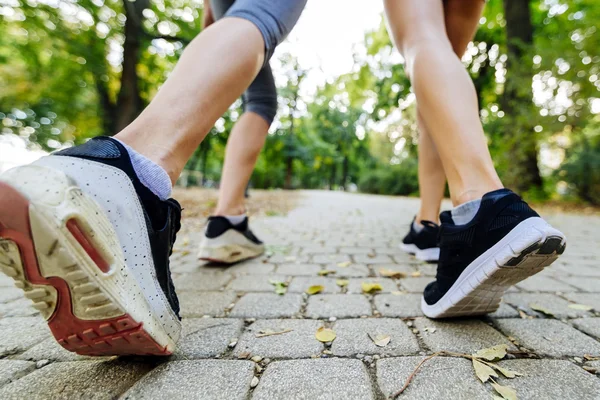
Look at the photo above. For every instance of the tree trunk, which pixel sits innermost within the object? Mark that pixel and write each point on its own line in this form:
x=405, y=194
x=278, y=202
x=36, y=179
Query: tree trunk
x=524, y=172
x=332, y=176
x=345, y=167
x=129, y=102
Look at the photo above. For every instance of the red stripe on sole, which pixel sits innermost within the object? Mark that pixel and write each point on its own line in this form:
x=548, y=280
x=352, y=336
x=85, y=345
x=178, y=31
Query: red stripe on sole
x=115, y=336
x=82, y=239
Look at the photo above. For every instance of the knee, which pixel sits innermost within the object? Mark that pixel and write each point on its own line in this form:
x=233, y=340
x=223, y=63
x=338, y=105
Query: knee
x=265, y=105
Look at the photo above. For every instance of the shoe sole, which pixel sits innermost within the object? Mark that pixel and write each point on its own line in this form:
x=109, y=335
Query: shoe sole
x=229, y=254
x=428, y=255
x=60, y=250
x=524, y=251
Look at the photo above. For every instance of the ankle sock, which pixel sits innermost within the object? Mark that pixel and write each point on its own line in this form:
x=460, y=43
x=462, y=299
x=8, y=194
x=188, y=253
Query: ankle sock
x=152, y=175
x=464, y=213
x=235, y=219
x=417, y=227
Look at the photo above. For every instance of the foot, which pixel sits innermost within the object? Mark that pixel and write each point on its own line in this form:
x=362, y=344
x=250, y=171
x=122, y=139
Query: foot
x=226, y=243
x=423, y=244
x=505, y=243
x=90, y=246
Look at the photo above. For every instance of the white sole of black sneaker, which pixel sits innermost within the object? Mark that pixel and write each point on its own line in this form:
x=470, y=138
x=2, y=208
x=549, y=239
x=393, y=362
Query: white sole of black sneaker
x=229, y=248
x=409, y=248
x=428, y=255
x=526, y=250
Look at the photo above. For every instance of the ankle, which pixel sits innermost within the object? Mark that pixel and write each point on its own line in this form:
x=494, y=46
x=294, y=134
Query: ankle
x=432, y=216
x=230, y=210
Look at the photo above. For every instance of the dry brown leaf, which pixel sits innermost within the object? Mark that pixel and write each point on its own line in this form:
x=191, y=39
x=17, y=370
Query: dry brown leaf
x=591, y=358
x=343, y=264
x=416, y=274
x=342, y=282
x=506, y=372
x=537, y=307
x=390, y=273
x=315, y=289
x=506, y=392
x=325, y=335
x=268, y=332
x=380, y=340
x=483, y=372
x=325, y=272
x=581, y=307
x=368, y=287
x=492, y=353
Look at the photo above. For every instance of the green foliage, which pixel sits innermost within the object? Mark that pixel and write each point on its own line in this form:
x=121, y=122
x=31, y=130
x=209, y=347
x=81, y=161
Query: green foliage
x=401, y=179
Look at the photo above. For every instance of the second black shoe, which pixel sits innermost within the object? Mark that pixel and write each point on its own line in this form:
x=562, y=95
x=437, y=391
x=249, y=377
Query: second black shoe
x=226, y=243
x=502, y=245
x=423, y=244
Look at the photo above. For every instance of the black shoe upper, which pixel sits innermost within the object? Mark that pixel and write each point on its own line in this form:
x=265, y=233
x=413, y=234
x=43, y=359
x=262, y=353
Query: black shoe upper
x=426, y=238
x=218, y=225
x=500, y=211
x=162, y=217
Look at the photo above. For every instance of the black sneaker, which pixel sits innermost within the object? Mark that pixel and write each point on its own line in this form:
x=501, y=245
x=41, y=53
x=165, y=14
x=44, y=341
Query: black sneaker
x=90, y=245
x=505, y=243
x=423, y=244
x=226, y=243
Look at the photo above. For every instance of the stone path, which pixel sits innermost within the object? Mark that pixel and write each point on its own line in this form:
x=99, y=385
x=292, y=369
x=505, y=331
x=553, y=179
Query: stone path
x=220, y=356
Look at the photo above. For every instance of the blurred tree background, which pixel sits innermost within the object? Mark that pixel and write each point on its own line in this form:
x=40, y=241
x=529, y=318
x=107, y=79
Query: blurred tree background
x=74, y=69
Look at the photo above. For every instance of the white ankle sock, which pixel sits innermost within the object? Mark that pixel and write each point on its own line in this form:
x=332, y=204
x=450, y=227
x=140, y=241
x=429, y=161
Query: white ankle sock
x=464, y=213
x=417, y=227
x=235, y=219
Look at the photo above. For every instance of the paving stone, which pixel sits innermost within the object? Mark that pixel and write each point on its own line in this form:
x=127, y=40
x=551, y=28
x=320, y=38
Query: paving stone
x=353, y=337
x=11, y=370
x=78, y=379
x=206, y=379
x=387, y=285
x=551, y=379
x=320, y=379
x=255, y=283
x=207, y=337
x=588, y=299
x=549, y=337
x=464, y=336
x=356, y=250
x=415, y=285
x=267, y=305
x=246, y=268
x=406, y=269
x=201, y=282
x=377, y=259
x=20, y=333
x=10, y=294
x=6, y=282
x=50, y=350
x=299, y=343
x=440, y=378
x=504, y=311
x=301, y=284
x=331, y=258
x=550, y=302
x=591, y=326
x=337, y=305
x=194, y=304
x=351, y=271
x=18, y=308
x=298, y=269
x=289, y=258
x=392, y=251
x=587, y=284
x=542, y=283
x=318, y=250
x=427, y=269
x=401, y=305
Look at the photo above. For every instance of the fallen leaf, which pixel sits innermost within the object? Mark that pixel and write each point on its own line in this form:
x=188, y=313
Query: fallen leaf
x=185, y=253
x=397, y=293
x=537, y=307
x=416, y=274
x=342, y=282
x=325, y=335
x=591, y=358
x=523, y=315
x=483, y=371
x=390, y=273
x=582, y=307
x=315, y=289
x=368, y=287
x=506, y=372
x=506, y=392
x=429, y=329
x=492, y=353
x=325, y=272
x=380, y=340
x=343, y=264
x=280, y=287
x=268, y=332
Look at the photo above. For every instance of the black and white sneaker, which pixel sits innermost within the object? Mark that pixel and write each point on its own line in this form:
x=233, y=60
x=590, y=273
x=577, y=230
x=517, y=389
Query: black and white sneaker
x=90, y=245
x=423, y=244
x=505, y=243
x=226, y=243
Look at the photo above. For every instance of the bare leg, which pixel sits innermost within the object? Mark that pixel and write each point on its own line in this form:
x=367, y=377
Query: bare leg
x=446, y=96
x=197, y=93
x=243, y=147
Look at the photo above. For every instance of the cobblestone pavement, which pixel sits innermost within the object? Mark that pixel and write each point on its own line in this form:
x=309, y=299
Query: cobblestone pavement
x=223, y=309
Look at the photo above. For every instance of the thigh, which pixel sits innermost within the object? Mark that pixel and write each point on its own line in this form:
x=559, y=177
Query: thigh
x=462, y=20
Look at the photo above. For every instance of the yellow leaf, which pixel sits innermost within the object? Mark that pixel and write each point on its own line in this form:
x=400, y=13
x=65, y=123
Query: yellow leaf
x=325, y=335
x=390, y=273
x=185, y=253
x=380, y=340
x=416, y=274
x=492, y=353
x=368, y=287
x=315, y=289
x=343, y=264
x=537, y=307
x=506, y=372
x=582, y=307
x=506, y=392
x=342, y=282
x=483, y=371
x=325, y=272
